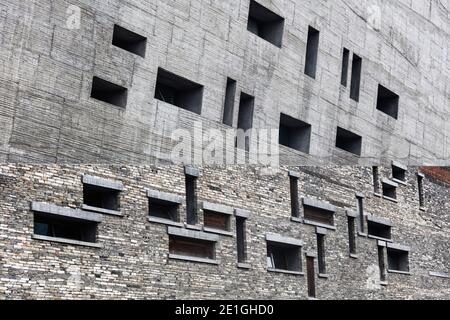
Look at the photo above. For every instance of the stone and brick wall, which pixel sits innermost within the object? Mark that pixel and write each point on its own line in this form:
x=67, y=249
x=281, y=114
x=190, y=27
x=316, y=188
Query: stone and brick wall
x=133, y=261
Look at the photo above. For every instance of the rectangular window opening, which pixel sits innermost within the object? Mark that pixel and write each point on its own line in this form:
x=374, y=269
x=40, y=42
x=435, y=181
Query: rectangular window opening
x=228, y=108
x=360, y=203
x=421, y=193
x=387, y=102
x=179, y=91
x=283, y=257
x=312, y=51
x=265, y=24
x=109, y=92
x=129, y=41
x=191, y=200
x=241, y=239
x=311, y=277
x=381, y=264
x=356, y=78
x=349, y=141
x=216, y=220
x=345, y=61
x=295, y=134
x=398, y=260
x=351, y=235
x=376, y=180
x=164, y=210
x=65, y=228
x=318, y=215
x=389, y=191
x=295, y=209
x=321, y=253
x=99, y=197
x=245, y=120
x=398, y=173
x=191, y=247
x=379, y=230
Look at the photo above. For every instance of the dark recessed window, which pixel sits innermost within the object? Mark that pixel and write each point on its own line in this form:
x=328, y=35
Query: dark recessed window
x=295, y=210
x=389, y=190
x=379, y=230
x=318, y=215
x=312, y=52
x=355, y=85
x=163, y=209
x=216, y=220
x=179, y=91
x=241, y=239
x=65, y=228
x=321, y=253
x=381, y=263
x=295, y=134
x=283, y=257
x=245, y=121
x=421, y=192
x=398, y=260
x=348, y=141
x=387, y=102
x=265, y=24
x=109, y=92
x=228, y=108
x=191, y=247
x=191, y=199
x=376, y=179
x=99, y=197
x=345, y=62
x=129, y=41
x=352, y=235
x=398, y=173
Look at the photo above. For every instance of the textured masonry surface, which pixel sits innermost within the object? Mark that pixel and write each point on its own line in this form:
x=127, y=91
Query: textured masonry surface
x=132, y=260
x=46, y=72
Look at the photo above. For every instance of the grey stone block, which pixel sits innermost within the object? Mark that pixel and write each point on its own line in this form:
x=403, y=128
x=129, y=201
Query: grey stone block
x=285, y=240
x=191, y=171
x=104, y=183
x=65, y=212
x=379, y=220
x=241, y=213
x=205, y=205
x=399, y=247
x=164, y=196
x=192, y=234
x=319, y=204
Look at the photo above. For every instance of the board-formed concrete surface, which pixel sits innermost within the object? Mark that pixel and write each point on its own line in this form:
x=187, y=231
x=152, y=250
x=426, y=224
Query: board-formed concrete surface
x=51, y=50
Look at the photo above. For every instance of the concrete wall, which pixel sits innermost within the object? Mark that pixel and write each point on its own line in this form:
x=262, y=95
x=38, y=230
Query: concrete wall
x=133, y=261
x=46, y=70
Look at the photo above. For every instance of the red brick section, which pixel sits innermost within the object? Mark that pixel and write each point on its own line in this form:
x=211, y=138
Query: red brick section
x=439, y=173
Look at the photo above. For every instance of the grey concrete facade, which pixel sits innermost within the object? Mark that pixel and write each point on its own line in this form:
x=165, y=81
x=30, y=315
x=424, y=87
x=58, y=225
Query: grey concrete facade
x=48, y=61
x=131, y=257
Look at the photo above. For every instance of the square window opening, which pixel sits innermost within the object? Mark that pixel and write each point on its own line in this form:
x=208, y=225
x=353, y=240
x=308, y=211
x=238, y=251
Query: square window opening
x=129, y=41
x=349, y=141
x=389, y=191
x=295, y=134
x=398, y=260
x=283, y=257
x=99, y=197
x=265, y=24
x=108, y=92
x=164, y=210
x=178, y=91
x=387, y=102
x=398, y=173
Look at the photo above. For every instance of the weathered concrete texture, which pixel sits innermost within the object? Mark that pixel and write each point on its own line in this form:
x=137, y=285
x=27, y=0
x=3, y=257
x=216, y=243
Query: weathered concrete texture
x=132, y=259
x=46, y=70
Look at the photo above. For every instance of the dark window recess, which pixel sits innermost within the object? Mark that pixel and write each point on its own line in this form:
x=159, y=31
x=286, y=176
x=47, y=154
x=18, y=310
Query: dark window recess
x=109, y=92
x=381, y=264
x=311, y=277
x=360, y=203
x=245, y=120
x=398, y=260
x=265, y=24
x=295, y=134
x=321, y=253
x=379, y=230
x=228, y=108
x=179, y=91
x=66, y=228
x=398, y=173
x=387, y=102
x=351, y=235
x=241, y=239
x=344, y=72
x=348, y=141
x=356, y=78
x=295, y=210
x=283, y=257
x=421, y=193
x=99, y=197
x=389, y=191
x=163, y=209
x=129, y=41
x=216, y=220
x=376, y=180
x=191, y=247
x=312, y=51
x=318, y=215
x=191, y=200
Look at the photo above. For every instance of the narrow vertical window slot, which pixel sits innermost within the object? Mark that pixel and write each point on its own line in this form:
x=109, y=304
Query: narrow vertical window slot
x=228, y=108
x=356, y=78
x=312, y=51
x=344, y=73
